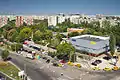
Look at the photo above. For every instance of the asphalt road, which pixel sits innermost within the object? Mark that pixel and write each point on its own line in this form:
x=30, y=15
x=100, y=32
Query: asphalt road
x=35, y=73
x=32, y=71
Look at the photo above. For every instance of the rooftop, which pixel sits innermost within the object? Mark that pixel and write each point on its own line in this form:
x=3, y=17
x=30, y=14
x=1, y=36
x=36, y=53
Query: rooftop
x=91, y=37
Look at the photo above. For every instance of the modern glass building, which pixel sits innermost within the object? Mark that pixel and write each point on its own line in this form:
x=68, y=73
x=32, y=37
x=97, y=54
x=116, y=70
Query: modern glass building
x=90, y=43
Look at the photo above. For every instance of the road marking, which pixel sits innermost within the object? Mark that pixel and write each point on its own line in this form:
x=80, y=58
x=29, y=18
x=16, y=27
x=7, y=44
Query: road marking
x=42, y=67
x=61, y=79
x=67, y=76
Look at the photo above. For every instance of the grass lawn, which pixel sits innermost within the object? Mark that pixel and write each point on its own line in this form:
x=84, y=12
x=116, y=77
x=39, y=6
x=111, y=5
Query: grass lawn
x=9, y=69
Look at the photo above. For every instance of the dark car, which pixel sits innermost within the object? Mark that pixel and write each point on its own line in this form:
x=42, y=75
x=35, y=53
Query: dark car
x=107, y=58
x=48, y=61
x=9, y=58
x=29, y=51
x=96, y=62
x=55, y=64
x=115, y=57
x=45, y=58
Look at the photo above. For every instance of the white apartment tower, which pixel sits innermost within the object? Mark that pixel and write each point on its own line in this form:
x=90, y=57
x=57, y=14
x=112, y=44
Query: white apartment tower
x=52, y=20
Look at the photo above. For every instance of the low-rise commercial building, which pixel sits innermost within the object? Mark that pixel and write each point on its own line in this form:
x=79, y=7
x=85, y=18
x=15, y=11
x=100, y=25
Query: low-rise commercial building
x=90, y=43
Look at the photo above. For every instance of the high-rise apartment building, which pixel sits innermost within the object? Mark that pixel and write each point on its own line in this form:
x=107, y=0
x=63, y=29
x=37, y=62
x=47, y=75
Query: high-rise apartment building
x=52, y=21
x=3, y=20
x=28, y=20
x=19, y=21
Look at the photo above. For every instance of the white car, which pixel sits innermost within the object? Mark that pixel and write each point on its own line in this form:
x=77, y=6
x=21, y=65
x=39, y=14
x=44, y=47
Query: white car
x=29, y=56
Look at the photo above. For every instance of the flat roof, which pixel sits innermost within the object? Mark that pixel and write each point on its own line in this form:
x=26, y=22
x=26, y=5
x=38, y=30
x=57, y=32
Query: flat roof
x=90, y=41
x=89, y=37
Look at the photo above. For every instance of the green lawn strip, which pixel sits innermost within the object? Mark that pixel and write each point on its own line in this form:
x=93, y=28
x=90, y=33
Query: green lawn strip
x=10, y=69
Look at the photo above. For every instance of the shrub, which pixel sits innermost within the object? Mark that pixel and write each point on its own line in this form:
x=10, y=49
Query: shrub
x=3, y=63
x=5, y=54
x=13, y=47
x=52, y=54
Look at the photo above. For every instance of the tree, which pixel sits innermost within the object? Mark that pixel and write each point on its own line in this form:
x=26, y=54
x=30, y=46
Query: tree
x=1, y=31
x=73, y=34
x=112, y=44
x=48, y=35
x=38, y=36
x=9, y=25
x=42, y=26
x=5, y=54
x=25, y=33
x=4, y=34
x=12, y=34
x=59, y=36
x=16, y=47
x=106, y=25
x=65, y=49
x=54, y=43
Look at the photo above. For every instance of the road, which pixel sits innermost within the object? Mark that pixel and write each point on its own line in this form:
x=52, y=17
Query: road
x=32, y=71
x=35, y=73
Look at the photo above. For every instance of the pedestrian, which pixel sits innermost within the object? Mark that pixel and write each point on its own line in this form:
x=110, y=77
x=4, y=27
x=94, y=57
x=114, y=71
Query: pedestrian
x=48, y=61
x=61, y=74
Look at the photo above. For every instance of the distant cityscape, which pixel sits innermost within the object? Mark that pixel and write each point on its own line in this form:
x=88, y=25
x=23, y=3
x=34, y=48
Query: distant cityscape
x=53, y=20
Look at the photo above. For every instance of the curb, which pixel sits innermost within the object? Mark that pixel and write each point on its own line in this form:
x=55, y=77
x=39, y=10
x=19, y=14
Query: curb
x=18, y=69
x=7, y=75
x=15, y=65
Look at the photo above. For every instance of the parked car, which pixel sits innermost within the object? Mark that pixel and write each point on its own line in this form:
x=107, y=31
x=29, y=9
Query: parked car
x=78, y=65
x=9, y=58
x=96, y=62
x=115, y=68
x=115, y=57
x=96, y=68
x=55, y=64
x=45, y=58
x=29, y=56
x=48, y=61
x=60, y=65
x=107, y=58
x=107, y=69
x=62, y=61
x=70, y=63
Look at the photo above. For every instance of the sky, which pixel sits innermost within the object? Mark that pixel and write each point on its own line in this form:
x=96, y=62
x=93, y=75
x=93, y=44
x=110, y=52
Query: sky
x=109, y=7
